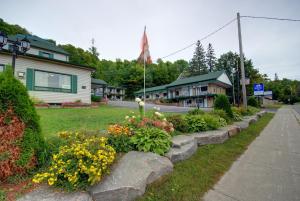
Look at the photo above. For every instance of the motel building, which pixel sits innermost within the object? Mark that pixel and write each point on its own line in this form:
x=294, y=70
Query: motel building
x=193, y=91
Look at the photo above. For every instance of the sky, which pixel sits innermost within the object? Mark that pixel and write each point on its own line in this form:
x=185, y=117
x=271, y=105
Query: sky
x=117, y=27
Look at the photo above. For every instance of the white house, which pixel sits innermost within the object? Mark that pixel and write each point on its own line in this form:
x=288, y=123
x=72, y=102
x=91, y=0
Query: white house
x=47, y=73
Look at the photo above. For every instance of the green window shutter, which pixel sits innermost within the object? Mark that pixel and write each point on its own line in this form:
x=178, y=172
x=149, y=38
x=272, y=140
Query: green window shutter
x=74, y=84
x=51, y=56
x=40, y=53
x=30, y=79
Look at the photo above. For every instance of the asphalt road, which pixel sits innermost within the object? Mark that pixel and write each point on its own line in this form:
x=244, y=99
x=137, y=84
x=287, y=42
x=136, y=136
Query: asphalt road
x=269, y=170
x=163, y=108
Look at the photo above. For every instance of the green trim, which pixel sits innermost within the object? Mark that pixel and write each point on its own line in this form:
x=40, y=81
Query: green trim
x=74, y=84
x=30, y=79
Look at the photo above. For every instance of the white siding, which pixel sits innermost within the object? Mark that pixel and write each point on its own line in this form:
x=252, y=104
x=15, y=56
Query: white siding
x=83, y=78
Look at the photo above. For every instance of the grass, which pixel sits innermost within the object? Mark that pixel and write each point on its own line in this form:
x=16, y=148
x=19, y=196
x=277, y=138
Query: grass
x=55, y=120
x=193, y=177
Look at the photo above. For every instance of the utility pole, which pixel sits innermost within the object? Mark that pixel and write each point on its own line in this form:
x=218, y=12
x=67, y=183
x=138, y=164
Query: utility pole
x=242, y=61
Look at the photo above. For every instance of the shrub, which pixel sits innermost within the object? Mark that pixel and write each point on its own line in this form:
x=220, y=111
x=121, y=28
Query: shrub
x=95, y=98
x=212, y=122
x=120, y=143
x=151, y=140
x=252, y=110
x=196, y=123
x=222, y=114
x=252, y=101
x=179, y=123
x=20, y=136
x=237, y=116
x=195, y=112
x=222, y=103
x=80, y=163
x=222, y=122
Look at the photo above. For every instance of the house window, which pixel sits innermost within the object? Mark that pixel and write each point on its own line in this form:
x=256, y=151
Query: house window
x=204, y=88
x=48, y=81
x=1, y=67
x=46, y=54
x=177, y=93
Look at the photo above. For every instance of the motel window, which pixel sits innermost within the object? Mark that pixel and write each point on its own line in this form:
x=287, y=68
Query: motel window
x=1, y=67
x=48, y=81
x=177, y=93
x=147, y=96
x=165, y=94
x=157, y=95
x=46, y=54
x=204, y=88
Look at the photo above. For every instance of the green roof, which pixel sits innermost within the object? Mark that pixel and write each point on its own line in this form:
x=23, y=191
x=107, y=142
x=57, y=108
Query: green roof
x=38, y=42
x=157, y=88
x=98, y=81
x=199, y=78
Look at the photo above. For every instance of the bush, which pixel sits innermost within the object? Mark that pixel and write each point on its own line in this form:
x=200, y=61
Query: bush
x=196, y=123
x=212, y=122
x=195, y=112
x=179, y=123
x=237, y=116
x=151, y=140
x=120, y=143
x=222, y=114
x=95, y=98
x=252, y=101
x=252, y=110
x=21, y=140
x=222, y=103
x=79, y=164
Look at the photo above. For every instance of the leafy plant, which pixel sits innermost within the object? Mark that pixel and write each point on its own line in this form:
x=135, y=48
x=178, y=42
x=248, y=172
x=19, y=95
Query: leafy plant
x=252, y=101
x=80, y=163
x=222, y=114
x=121, y=143
x=179, y=123
x=95, y=98
x=195, y=112
x=151, y=140
x=21, y=134
x=196, y=123
x=222, y=103
x=212, y=122
x=237, y=116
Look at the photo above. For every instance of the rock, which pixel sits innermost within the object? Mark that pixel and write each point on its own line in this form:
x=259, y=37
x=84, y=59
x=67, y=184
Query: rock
x=261, y=113
x=242, y=124
x=211, y=137
x=129, y=177
x=183, y=152
x=232, y=130
x=46, y=193
x=181, y=140
x=251, y=119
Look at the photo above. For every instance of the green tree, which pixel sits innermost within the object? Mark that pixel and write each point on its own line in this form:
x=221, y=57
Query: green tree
x=210, y=58
x=11, y=29
x=197, y=63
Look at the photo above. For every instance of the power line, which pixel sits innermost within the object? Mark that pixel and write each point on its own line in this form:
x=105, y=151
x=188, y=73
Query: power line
x=205, y=37
x=271, y=18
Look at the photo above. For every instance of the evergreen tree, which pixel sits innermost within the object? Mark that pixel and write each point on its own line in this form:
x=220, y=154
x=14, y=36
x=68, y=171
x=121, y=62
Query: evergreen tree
x=93, y=49
x=276, y=77
x=198, y=64
x=210, y=58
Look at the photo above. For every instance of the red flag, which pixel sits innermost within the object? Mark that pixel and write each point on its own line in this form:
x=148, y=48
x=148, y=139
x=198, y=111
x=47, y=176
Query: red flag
x=145, y=54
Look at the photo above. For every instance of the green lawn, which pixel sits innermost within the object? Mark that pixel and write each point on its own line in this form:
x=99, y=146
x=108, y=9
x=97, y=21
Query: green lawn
x=193, y=177
x=54, y=120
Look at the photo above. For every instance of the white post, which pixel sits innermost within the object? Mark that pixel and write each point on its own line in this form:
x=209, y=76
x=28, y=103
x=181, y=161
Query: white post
x=144, y=74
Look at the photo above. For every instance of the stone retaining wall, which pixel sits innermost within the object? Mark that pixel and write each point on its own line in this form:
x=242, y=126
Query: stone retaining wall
x=129, y=177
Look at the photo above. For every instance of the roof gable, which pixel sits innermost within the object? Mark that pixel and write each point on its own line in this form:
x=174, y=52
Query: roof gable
x=199, y=78
x=38, y=42
x=225, y=79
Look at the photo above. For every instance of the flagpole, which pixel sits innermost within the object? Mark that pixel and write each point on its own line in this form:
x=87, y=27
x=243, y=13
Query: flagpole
x=144, y=79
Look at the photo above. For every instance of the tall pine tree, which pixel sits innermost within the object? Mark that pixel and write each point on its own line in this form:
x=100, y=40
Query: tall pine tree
x=197, y=64
x=210, y=58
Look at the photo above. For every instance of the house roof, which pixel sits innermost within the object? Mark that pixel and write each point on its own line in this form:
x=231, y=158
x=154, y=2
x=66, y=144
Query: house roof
x=98, y=81
x=38, y=42
x=199, y=78
x=36, y=57
x=157, y=88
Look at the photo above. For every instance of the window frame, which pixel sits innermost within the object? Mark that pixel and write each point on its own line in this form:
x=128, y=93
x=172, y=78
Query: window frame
x=3, y=68
x=52, y=89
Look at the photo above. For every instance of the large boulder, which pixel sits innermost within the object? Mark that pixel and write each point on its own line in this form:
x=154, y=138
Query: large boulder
x=211, y=137
x=129, y=177
x=46, y=193
x=180, y=140
x=232, y=130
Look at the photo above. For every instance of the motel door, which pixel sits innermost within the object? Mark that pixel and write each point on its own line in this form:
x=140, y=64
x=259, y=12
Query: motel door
x=202, y=102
